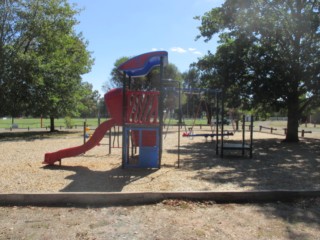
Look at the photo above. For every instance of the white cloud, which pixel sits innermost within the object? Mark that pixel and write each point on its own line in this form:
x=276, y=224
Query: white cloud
x=194, y=51
x=182, y=50
x=178, y=50
x=197, y=53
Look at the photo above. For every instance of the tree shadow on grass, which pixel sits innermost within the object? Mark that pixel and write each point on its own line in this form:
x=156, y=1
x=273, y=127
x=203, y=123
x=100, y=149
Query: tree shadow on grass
x=86, y=180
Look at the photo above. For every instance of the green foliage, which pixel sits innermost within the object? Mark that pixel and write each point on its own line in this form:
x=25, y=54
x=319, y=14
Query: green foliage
x=116, y=80
x=68, y=122
x=88, y=104
x=191, y=78
x=269, y=54
x=42, y=58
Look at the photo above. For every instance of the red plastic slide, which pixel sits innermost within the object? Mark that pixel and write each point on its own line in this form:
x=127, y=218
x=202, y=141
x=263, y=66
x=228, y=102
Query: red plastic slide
x=51, y=158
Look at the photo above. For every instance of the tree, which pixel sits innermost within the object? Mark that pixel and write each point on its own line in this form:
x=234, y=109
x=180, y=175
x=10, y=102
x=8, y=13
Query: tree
x=14, y=65
x=89, y=104
x=172, y=78
x=61, y=89
x=227, y=70
x=281, y=43
x=45, y=58
x=116, y=79
x=191, y=80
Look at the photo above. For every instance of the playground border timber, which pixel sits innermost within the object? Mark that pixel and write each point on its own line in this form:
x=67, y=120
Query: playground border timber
x=140, y=198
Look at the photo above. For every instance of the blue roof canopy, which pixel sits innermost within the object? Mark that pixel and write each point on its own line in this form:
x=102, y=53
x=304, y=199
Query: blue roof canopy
x=141, y=65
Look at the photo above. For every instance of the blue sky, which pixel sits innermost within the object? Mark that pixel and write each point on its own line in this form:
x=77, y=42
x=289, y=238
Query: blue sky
x=119, y=28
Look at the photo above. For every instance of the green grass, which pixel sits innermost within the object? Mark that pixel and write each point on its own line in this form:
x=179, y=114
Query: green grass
x=34, y=123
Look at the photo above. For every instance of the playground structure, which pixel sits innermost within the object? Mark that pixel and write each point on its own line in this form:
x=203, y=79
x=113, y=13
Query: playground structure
x=142, y=113
x=138, y=112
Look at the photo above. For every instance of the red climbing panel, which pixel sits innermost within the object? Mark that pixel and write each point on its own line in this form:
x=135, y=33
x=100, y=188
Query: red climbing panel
x=142, y=107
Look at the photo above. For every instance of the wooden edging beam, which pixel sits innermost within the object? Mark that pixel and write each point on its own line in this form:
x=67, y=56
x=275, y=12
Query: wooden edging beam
x=138, y=198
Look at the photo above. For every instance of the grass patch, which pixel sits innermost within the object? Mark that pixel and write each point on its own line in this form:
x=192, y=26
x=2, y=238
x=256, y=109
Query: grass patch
x=35, y=123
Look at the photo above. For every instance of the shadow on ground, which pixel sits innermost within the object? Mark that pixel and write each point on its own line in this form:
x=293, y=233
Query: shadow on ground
x=296, y=216
x=86, y=180
x=275, y=165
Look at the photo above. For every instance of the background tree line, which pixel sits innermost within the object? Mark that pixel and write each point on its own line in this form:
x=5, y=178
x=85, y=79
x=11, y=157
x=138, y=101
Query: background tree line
x=268, y=60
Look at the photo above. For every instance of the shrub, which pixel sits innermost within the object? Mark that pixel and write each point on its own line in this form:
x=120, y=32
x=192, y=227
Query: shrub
x=68, y=122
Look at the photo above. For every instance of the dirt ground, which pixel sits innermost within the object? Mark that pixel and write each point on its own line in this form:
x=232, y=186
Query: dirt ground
x=167, y=220
x=274, y=166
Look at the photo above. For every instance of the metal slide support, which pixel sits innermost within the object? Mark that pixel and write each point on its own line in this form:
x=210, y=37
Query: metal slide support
x=251, y=136
x=222, y=117
x=160, y=109
x=217, y=125
x=124, y=111
x=179, y=125
x=243, y=133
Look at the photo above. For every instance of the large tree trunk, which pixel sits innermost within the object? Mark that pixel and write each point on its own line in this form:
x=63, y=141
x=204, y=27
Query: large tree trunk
x=52, y=124
x=209, y=117
x=293, y=119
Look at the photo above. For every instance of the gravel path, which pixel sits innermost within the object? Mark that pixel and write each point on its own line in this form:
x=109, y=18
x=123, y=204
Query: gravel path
x=167, y=220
